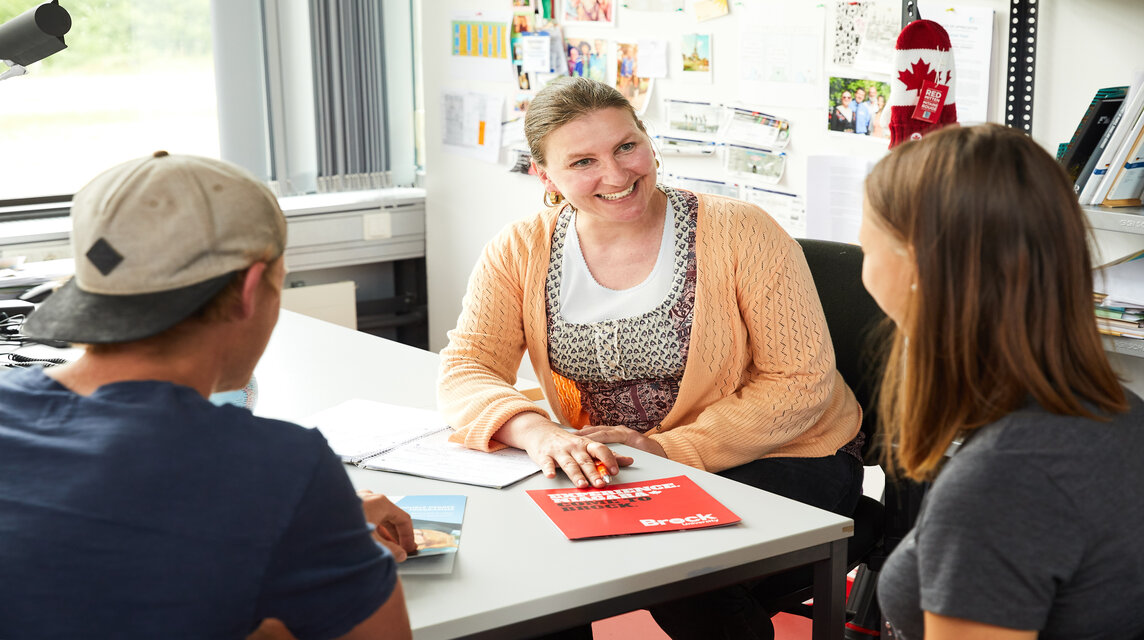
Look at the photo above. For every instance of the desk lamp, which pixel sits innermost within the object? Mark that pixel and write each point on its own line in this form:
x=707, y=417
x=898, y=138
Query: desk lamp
x=32, y=36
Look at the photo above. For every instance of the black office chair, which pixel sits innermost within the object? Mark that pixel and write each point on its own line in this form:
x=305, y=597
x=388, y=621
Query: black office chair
x=857, y=329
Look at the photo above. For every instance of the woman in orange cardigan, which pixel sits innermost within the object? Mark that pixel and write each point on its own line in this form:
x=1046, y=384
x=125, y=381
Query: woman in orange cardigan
x=680, y=324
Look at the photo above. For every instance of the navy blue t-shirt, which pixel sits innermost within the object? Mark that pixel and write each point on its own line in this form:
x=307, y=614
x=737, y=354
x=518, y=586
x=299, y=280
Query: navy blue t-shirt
x=145, y=511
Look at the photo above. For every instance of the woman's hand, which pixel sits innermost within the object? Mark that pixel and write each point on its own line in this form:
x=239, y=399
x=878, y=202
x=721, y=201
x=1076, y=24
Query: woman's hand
x=552, y=446
x=623, y=435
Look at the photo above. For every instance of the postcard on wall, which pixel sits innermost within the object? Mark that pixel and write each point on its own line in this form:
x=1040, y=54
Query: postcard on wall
x=597, y=12
x=685, y=146
x=471, y=124
x=635, y=88
x=759, y=164
x=787, y=209
x=755, y=128
x=524, y=6
x=710, y=9
x=696, y=63
x=863, y=34
x=696, y=119
x=781, y=55
x=480, y=45
x=587, y=58
x=536, y=53
x=704, y=185
x=856, y=106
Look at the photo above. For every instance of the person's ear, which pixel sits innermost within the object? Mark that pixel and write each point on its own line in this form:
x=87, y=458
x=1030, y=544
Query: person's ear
x=252, y=278
x=549, y=185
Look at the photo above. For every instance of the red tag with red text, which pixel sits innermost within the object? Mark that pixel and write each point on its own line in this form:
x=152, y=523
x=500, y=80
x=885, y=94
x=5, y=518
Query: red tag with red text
x=931, y=98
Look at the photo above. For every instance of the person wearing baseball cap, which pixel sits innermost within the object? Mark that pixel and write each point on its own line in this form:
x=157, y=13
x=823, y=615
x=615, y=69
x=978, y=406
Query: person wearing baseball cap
x=130, y=505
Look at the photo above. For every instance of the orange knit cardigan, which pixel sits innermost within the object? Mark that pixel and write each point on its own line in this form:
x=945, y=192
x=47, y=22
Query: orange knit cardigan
x=759, y=381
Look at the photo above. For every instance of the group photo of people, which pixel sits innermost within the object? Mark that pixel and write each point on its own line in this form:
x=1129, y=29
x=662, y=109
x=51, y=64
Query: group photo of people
x=856, y=106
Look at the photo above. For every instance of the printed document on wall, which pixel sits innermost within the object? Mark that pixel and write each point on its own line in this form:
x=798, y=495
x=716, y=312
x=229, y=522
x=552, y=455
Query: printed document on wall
x=480, y=46
x=834, y=193
x=780, y=55
x=971, y=34
x=471, y=124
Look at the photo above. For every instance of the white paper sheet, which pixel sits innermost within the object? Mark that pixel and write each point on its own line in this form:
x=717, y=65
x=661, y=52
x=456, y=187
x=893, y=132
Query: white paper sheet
x=480, y=46
x=537, y=54
x=471, y=124
x=780, y=55
x=971, y=34
x=834, y=193
x=652, y=58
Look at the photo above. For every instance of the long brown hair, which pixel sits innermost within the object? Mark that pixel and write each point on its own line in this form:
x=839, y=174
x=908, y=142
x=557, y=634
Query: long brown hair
x=1002, y=311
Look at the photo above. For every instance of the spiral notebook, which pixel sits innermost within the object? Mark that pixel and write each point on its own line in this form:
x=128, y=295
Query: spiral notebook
x=386, y=437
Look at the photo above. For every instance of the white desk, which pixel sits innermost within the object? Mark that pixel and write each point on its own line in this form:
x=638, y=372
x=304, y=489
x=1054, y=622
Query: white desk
x=515, y=574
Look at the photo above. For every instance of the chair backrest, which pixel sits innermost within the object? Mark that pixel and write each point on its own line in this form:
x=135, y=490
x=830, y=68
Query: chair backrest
x=854, y=320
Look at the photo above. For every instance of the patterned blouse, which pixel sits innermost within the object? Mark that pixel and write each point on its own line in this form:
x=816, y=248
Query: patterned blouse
x=628, y=370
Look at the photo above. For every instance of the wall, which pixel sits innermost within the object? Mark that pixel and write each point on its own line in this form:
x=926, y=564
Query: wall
x=468, y=201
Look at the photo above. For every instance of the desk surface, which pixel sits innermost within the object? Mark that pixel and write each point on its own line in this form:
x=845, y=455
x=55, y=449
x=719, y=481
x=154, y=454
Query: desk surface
x=514, y=565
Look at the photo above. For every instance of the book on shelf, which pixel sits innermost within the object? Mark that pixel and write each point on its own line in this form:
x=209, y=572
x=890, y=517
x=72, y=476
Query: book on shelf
x=1129, y=314
x=385, y=437
x=1118, y=331
x=1092, y=126
x=1127, y=183
x=1120, y=283
x=650, y=506
x=437, y=523
x=1096, y=170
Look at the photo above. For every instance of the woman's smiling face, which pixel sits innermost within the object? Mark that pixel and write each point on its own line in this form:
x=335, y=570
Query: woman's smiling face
x=603, y=163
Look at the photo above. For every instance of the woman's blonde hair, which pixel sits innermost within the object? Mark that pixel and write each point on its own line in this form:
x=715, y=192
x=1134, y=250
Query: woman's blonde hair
x=562, y=101
x=1003, y=309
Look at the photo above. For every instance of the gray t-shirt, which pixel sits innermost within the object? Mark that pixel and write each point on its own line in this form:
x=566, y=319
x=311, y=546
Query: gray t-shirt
x=1036, y=523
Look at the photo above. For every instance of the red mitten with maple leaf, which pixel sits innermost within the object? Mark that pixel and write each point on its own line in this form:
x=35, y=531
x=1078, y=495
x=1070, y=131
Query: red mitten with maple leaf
x=923, y=60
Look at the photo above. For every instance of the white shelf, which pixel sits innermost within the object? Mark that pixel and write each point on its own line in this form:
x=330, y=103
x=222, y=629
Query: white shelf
x=1124, y=346
x=1122, y=219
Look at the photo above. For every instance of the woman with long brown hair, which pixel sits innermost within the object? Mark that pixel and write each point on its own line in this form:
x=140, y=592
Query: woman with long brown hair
x=977, y=250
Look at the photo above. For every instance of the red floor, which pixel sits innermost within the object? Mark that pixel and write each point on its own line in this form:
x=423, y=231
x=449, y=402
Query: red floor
x=639, y=625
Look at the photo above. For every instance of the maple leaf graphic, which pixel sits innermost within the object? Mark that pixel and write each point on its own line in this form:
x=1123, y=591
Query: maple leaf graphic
x=918, y=73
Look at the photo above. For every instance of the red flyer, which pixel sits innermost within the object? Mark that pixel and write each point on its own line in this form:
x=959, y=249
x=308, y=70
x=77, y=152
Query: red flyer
x=668, y=504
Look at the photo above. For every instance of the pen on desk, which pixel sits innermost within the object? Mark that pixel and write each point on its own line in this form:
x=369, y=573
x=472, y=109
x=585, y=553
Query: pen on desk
x=603, y=469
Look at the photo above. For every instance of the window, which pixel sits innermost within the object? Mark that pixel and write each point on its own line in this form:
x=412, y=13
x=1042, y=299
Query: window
x=219, y=78
x=137, y=76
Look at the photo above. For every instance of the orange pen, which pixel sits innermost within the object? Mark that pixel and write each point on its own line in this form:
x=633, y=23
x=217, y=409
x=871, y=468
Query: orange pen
x=603, y=469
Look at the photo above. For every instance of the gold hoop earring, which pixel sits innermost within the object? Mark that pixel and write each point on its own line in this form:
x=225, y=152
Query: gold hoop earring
x=556, y=198
x=657, y=163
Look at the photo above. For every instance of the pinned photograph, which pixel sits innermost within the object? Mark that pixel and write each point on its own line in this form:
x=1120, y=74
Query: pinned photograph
x=856, y=106
x=598, y=12
x=761, y=164
x=695, y=55
x=635, y=88
x=685, y=146
x=587, y=58
x=685, y=116
x=710, y=9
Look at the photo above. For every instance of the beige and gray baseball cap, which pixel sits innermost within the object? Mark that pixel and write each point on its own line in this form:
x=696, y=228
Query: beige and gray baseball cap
x=155, y=239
